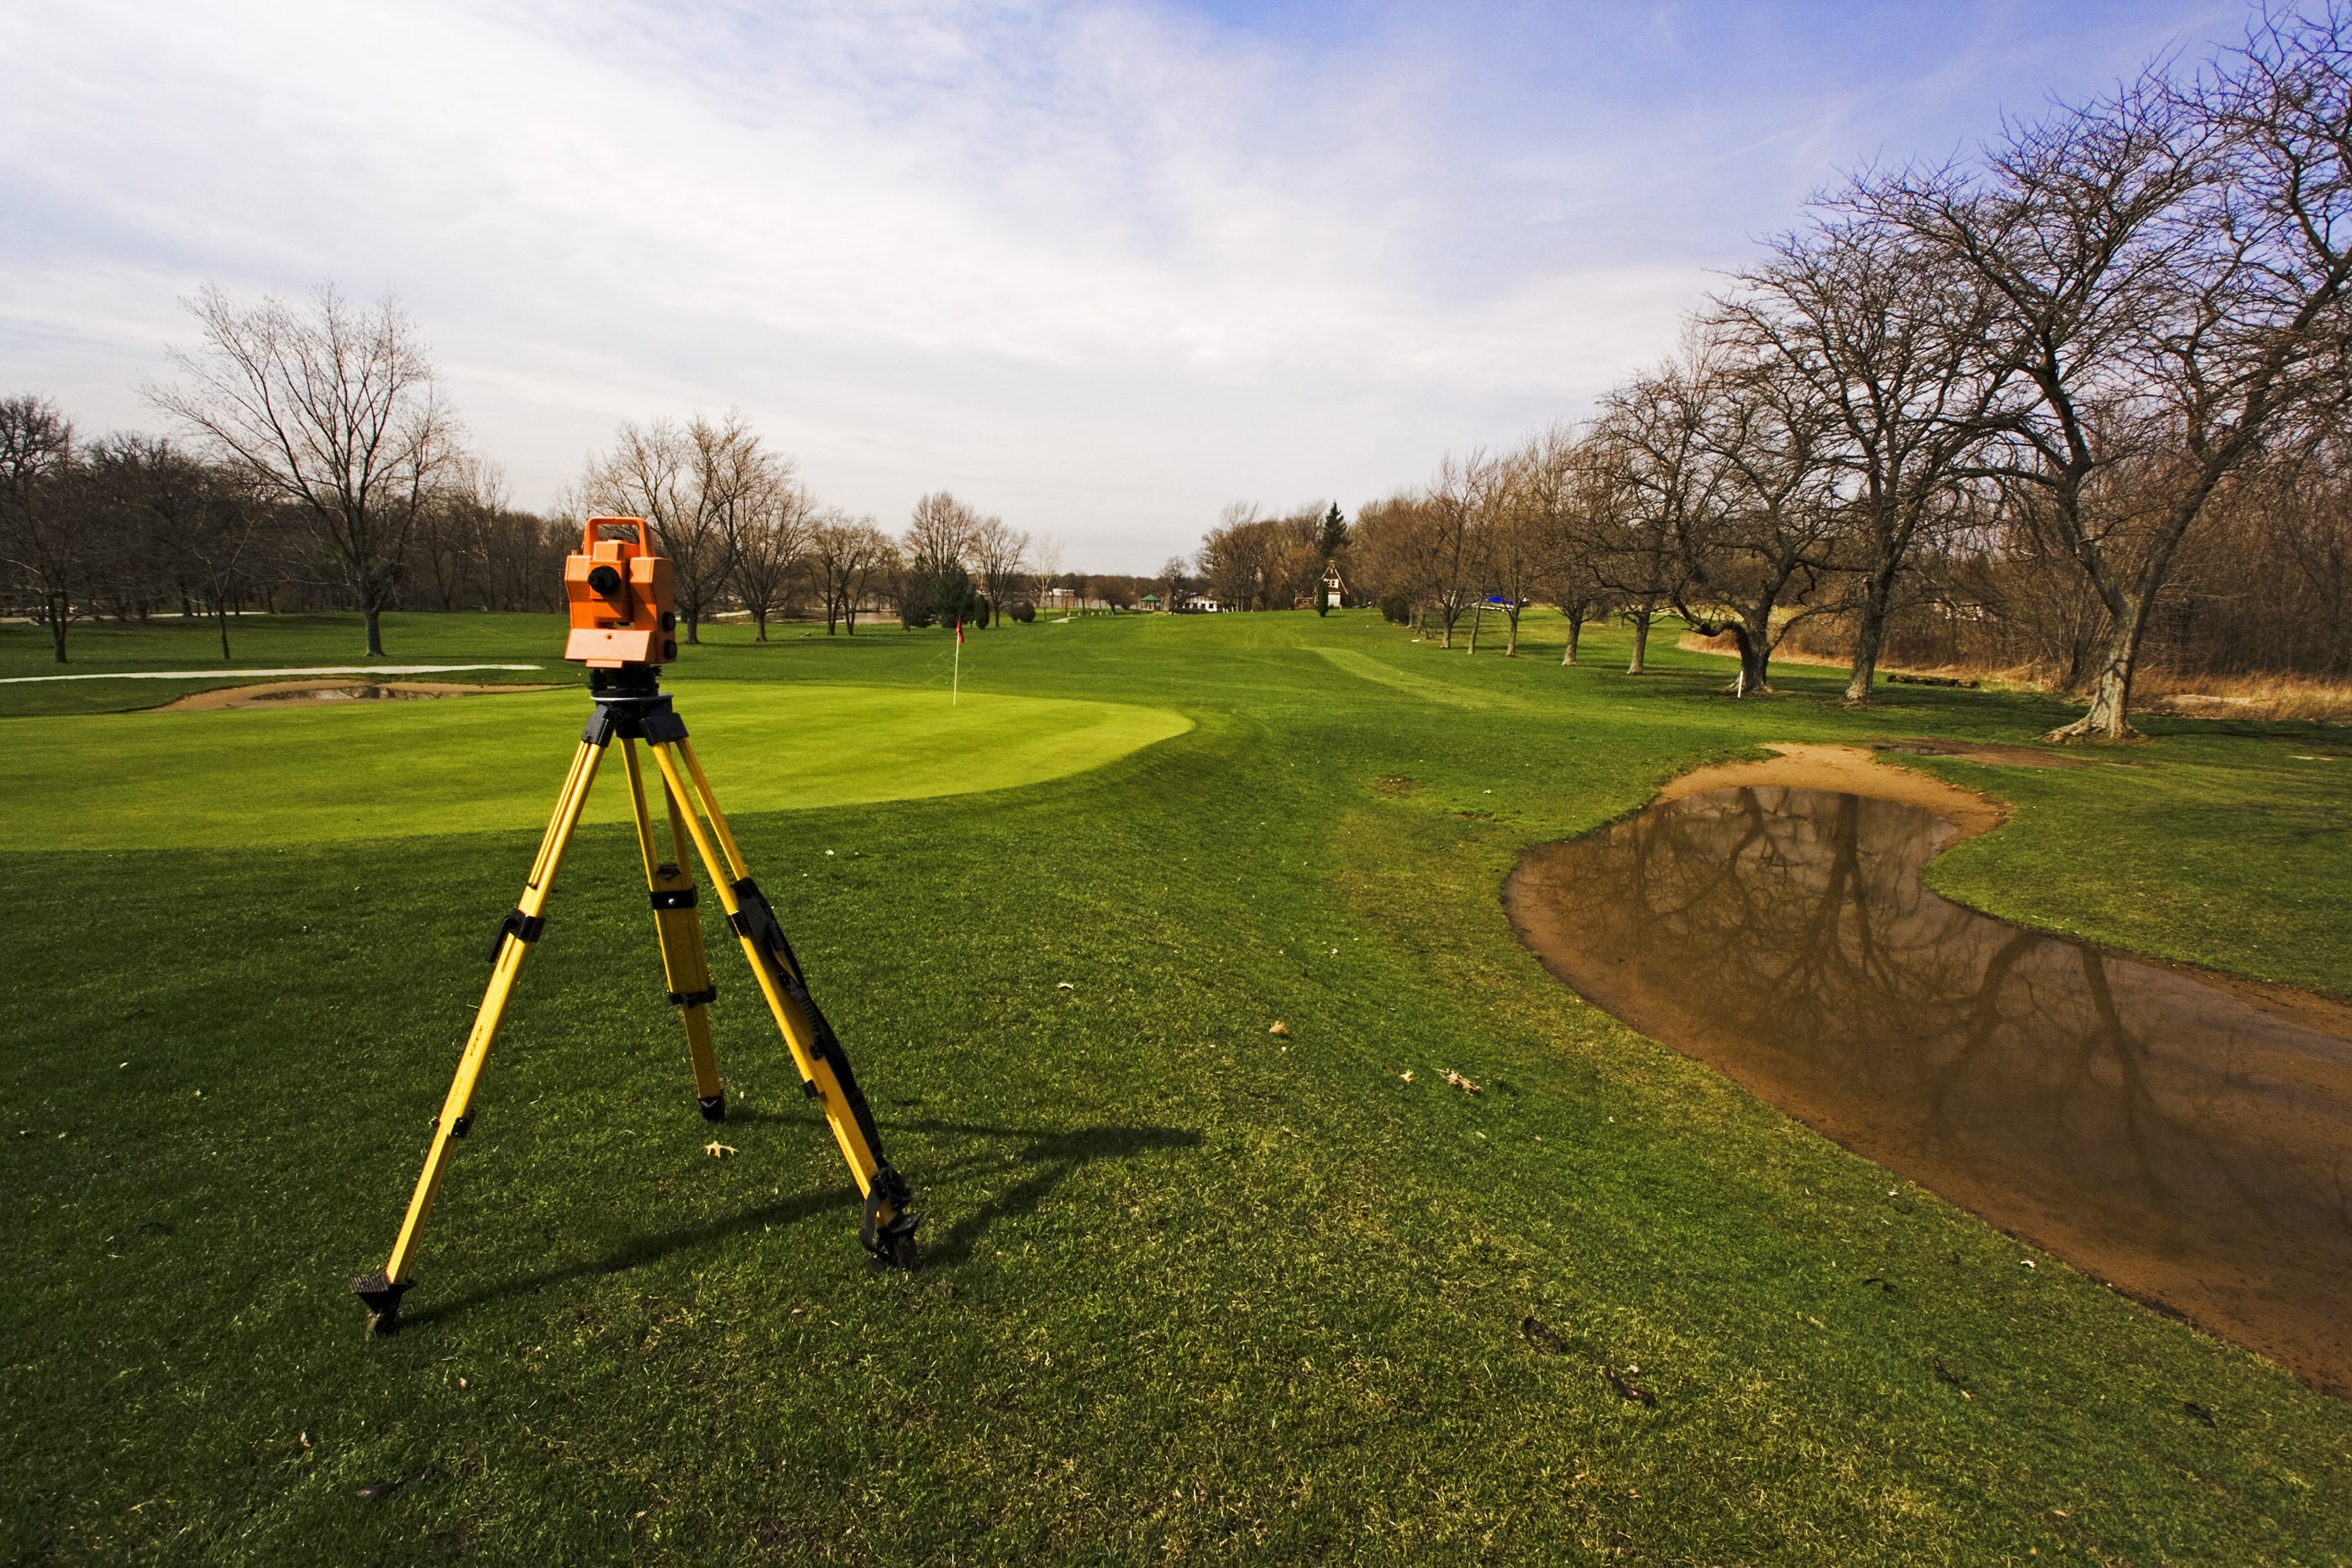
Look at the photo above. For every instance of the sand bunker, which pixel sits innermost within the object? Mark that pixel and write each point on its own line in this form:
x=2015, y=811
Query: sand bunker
x=324, y=694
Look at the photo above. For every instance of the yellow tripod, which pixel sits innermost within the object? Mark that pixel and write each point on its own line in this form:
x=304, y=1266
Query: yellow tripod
x=631, y=707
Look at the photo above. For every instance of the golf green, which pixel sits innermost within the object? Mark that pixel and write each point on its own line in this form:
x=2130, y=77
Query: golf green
x=392, y=769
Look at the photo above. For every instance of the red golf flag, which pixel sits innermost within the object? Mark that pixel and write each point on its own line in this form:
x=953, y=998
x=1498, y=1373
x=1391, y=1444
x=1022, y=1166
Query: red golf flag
x=959, y=632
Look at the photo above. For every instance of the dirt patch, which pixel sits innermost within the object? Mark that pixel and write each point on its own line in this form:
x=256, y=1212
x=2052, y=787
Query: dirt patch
x=1980, y=751
x=1396, y=784
x=327, y=694
x=1845, y=770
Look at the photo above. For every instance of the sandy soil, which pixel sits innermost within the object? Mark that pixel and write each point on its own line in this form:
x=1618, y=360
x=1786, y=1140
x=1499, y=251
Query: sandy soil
x=1982, y=751
x=1848, y=769
x=327, y=694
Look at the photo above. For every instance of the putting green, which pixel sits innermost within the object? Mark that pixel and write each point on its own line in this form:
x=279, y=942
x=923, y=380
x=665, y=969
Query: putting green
x=455, y=765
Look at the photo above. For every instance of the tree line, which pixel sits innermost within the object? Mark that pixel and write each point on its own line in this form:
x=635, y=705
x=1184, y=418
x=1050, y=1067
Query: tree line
x=2073, y=400
x=315, y=465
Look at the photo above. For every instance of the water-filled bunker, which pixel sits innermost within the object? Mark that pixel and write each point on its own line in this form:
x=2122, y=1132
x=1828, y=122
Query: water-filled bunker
x=2188, y=1143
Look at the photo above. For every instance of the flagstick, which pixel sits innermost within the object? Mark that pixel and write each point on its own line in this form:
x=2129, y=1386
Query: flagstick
x=955, y=687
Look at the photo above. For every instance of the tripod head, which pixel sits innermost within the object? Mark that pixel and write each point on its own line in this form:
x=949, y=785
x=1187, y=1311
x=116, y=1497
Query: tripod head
x=623, y=599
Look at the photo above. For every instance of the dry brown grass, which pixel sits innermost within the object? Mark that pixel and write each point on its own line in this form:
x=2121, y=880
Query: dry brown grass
x=2155, y=692
x=2245, y=696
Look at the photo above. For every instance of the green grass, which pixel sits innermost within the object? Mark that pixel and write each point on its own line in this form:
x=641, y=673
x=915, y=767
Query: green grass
x=1193, y=1293
x=257, y=777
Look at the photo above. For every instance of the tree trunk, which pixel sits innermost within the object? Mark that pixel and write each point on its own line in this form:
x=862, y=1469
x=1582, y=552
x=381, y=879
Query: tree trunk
x=1511, y=637
x=1478, y=617
x=58, y=626
x=1755, y=662
x=694, y=626
x=1641, y=619
x=222, y=617
x=1575, y=631
x=2111, y=698
x=375, y=632
x=760, y=618
x=1869, y=638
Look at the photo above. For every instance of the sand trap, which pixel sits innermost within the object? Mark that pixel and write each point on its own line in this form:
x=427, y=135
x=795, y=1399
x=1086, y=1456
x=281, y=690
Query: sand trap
x=326, y=694
x=1845, y=769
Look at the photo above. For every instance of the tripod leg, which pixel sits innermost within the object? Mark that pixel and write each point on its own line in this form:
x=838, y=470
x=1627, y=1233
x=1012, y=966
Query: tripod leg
x=512, y=944
x=678, y=926
x=889, y=1233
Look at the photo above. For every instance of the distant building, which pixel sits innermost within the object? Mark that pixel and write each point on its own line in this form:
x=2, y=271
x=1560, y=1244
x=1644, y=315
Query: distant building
x=1333, y=587
x=1197, y=604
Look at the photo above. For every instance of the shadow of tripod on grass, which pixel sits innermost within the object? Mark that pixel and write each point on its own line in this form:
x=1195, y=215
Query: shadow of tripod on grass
x=1050, y=1156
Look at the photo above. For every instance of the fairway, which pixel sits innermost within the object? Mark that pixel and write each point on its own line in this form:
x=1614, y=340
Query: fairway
x=1192, y=1292
x=395, y=769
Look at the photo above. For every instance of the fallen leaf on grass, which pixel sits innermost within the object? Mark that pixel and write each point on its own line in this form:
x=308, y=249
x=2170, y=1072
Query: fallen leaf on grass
x=717, y=1150
x=1946, y=1373
x=1542, y=1337
x=1064, y=985
x=1280, y=1027
x=1633, y=1391
x=2196, y=1410
x=1407, y=1075
x=379, y=1490
x=1460, y=1082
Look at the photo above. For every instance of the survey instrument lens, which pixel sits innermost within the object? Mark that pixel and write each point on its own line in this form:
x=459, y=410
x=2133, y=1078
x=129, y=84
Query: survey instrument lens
x=623, y=606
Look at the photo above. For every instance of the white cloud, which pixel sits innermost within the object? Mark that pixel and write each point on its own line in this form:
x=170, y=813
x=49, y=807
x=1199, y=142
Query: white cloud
x=1099, y=267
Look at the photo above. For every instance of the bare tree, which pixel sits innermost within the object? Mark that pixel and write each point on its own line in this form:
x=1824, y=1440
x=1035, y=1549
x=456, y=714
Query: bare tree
x=1762, y=525
x=1235, y=556
x=875, y=566
x=1551, y=478
x=2169, y=268
x=1174, y=573
x=683, y=482
x=203, y=522
x=333, y=409
x=936, y=575
x=1000, y=554
x=770, y=524
x=843, y=556
x=40, y=536
x=1648, y=471
x=1447, y=558
x=1889, y=336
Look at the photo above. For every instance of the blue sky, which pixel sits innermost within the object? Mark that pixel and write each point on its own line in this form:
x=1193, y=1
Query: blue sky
x=1102, y=269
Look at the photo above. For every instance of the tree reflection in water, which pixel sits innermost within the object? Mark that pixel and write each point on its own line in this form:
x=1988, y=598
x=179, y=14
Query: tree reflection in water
x=2156, y=1130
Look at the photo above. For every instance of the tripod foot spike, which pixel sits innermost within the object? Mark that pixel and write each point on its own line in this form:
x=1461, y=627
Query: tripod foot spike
x=890, y=1242
x=712, y=1107
x=382, y=1300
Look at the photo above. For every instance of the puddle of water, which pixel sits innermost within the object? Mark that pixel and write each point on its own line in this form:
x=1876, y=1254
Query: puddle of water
x=2191, y=1146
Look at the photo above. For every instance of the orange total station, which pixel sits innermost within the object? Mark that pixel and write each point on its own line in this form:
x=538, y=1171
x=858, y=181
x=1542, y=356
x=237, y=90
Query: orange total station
x=623, y=599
